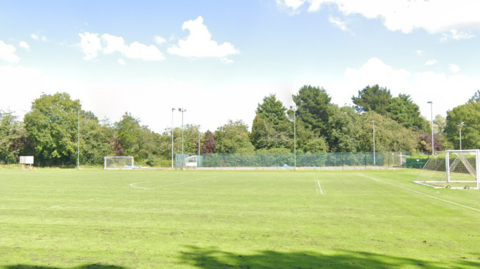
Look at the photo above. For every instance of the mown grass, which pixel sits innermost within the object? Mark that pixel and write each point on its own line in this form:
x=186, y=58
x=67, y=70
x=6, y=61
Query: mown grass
x=59, y=218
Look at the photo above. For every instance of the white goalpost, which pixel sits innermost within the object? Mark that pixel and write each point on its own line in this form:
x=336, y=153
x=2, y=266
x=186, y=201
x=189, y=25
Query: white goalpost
x=457, y=169
x=118, y=162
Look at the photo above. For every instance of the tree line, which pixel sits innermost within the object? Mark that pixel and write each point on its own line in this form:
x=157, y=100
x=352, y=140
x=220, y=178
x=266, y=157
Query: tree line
x=50, y=130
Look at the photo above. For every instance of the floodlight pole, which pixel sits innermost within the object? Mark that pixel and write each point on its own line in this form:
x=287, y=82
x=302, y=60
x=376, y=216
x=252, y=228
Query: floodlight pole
x=461, y=125
x=373, y=122
x=183, y=162
x=198, y=142
x=173, y=109
x=431, y=117
x=294, y=108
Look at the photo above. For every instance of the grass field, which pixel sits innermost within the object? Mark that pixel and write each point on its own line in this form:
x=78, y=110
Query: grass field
x=184, y=219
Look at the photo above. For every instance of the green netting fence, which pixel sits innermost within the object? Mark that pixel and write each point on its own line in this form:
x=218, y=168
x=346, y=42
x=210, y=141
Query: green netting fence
x=357, y=160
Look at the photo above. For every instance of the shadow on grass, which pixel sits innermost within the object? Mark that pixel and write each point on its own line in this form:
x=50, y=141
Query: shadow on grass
x=88, y=266
x=213, y=258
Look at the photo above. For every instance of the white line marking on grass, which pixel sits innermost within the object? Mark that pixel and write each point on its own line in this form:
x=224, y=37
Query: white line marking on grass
x=142, y=189
x=424, y=194
x=320, y=188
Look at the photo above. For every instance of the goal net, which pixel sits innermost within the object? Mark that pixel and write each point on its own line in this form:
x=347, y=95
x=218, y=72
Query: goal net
x=118, y=162
x=457, y=169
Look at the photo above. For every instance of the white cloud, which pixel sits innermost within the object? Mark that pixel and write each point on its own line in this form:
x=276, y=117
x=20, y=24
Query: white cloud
x=135, y=50
x=199, y=43
x=419, y=52
x=404, y=15
x=456, y=35
x=90, y=45
x=431, y=62
x=24, y=45
x=7, y=53
x=374, y=71
x=290, y=6
x=121, y=61
x=454, y=68
x=160, y=40
x=226, y=60
x=446, y=91
x=338, y=23
x=37, y=36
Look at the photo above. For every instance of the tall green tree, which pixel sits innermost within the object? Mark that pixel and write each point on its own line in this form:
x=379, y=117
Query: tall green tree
x=439, y=124
x=13, y=137
x=272, y=110
x=233, y=137
x=95, y=140
x=52, y=127
x=373, y=98
x=129, y=133
x=404, y=111
x=469, y=114
x=389, y=134
x=313, y=108
x=271, y=128
x=344, y=131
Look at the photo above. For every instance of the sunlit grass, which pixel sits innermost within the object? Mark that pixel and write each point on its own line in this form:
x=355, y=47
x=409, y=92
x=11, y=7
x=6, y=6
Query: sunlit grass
x=163, y=219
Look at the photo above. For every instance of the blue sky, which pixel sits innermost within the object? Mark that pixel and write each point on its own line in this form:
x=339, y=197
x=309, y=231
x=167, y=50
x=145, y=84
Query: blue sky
x=218, y=59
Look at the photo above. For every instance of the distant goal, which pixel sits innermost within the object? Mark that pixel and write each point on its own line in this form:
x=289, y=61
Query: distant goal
x=457, y=169
x=118, y=162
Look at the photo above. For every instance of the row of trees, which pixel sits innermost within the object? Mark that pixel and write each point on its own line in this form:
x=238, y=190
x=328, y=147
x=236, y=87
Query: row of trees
x=50, y=130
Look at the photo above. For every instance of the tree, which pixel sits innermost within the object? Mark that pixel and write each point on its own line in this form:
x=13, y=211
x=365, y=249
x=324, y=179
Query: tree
x=469, y=114
x=272, y=110
x=344, y=131
x=389, y=134
x=233, y=137
x=313, y=108
x=271, y=128
x=12, y=137
x=52, y=127
x=95, y=141
x=210, y=143
x=373, y=99
x=475, y=98
x=404, y=111
x=439, y=124
x=128, y=133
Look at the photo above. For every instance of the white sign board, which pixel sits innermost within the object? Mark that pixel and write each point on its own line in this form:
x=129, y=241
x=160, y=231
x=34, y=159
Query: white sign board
x=26, y=159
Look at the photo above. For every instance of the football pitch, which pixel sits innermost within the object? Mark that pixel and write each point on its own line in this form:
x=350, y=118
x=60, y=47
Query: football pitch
x=53, y=218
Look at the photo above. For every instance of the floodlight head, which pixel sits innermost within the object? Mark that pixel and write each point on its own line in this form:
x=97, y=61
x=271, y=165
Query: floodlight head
x=179, y=109
x=429, y=102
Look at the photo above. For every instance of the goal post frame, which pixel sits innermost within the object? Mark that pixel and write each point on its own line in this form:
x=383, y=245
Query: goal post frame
x=477, y=166
x=128, y=165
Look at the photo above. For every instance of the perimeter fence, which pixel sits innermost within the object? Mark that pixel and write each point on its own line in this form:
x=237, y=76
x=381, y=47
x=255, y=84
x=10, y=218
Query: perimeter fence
x=264, y=161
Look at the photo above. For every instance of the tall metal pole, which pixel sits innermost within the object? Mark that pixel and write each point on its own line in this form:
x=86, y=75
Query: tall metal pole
x=173, y=109
x=183, y=159
x=198, y=141
x=294, y=138
x=373, y=122
x=431, y=117
x=78, y=140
